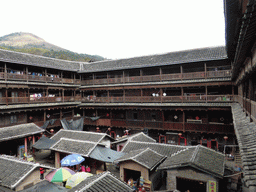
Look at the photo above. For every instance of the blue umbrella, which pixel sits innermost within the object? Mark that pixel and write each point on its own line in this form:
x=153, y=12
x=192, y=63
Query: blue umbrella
x=71, y=160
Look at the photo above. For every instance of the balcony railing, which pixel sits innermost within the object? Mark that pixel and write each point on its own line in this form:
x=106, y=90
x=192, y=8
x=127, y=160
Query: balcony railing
x=36, y=78
x=157, y=78
x=31, y=100
x=141, y=124
x=163, y=99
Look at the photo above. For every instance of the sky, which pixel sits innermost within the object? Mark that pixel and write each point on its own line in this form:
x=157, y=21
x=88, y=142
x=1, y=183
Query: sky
x=116, y=29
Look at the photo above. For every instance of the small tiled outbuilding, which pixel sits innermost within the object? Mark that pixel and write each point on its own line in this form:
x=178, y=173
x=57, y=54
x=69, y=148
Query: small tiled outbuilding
x=195, y=169
x=17, y=174
x=138, y=163
x=103, y=182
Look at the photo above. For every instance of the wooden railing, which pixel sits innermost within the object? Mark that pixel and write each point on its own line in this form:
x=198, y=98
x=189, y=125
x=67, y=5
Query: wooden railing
x=36, y=78
x=163, y=99
x=31, y=100
x=157, y=78
x=143, y=99
x=150, y=124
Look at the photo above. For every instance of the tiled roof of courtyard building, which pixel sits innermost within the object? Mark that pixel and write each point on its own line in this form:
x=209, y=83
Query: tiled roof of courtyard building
x=103, y=182
x=187, y=56
x=145, y=157
x=39, y=61
x=162, y=149
x=80, y=147
x=80, y=135
x=14, y=170
x=142, y=137
x=245, y=133
x=19, y=131
x=199, y=157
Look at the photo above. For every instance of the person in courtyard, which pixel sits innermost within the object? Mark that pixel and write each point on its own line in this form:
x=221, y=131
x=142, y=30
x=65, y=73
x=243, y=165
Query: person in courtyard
x=41, y=173
x=82, y=168
x=88, y=169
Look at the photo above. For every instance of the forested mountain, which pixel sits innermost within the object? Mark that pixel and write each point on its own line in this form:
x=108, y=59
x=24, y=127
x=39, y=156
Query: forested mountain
x=29, y=43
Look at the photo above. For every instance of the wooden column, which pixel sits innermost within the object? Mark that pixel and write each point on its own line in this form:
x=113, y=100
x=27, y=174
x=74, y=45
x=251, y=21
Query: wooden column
x=60, y=114
x=206, y=93
x=93, y=78
x=161, y=95
x=33, y=142
x=61, y=76
x=27, y=73
x=144, y=119
x=28, y=96
x=141, y=75
x=124, y=96
x=45, y=74
x=160, y=72
x=57, y=159
x=73, y=113
x=123, y=77
x=83, y=112
x=44, y=115
x=6, y=95
x=181, y=72
x=47, y=94
x=63, y=98
x=205, y=71
x=183, y=120
x=162, y=117
x=182, y=93
x=108, y=96
x=5, y=72
x=26, y=146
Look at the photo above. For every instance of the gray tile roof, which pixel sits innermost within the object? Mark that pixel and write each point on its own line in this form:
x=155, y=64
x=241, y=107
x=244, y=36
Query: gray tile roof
x=19, y=131
x=38, y=61
x=145, y=157
x=79, y=135
x=199, y=157
x=246, y=137
x=186, y=56
x=104, y=182
x=80, y=147
x=162, y=149
x=14, y=170
x=142, y=137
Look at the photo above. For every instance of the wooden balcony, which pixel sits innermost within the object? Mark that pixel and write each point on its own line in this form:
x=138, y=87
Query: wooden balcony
x=32, y=100
x=171, y=126
x=149, y=124
x=159, y=78
x=35, y=78
x=160, y=99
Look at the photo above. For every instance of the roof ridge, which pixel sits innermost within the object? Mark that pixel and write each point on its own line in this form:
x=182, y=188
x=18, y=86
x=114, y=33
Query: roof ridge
x=160, y=144
x=40, y=56
x=194, y=154
x=97, y=179
x=165, y=53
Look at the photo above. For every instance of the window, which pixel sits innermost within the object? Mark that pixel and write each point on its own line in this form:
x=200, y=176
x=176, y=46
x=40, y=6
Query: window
x=135, y=115
x=153, y=116
x=13, y=119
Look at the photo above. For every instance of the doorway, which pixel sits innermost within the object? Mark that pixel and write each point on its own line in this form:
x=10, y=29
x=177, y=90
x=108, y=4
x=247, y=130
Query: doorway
x=191, y=185
x=128, y=173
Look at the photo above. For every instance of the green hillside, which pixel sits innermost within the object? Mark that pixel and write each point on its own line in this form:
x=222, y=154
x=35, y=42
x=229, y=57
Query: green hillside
x=29, y=43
